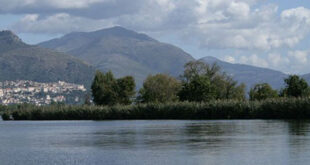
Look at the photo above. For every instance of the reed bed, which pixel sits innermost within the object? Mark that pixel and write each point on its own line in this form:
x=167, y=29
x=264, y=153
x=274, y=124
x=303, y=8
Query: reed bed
x=282, y=108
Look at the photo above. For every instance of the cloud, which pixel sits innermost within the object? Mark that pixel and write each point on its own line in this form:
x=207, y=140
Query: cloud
x=262, y=29
x=58, y=24
x=277, y=60
x=253, y=26
x=299, y=57
x=215, y=24
x=292, y=62
x=254, y=60
x=229, y=59
x=16, y=6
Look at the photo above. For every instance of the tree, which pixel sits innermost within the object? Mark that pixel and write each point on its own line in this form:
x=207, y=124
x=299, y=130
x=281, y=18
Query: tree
x=126, y=89
x=193, y=69
x=236, y=92
x=159, y=88
x=227, y=88
x=103, y=89
x=107, y=90
x=204, y=82
x=262, y=92
x=199, y=89
x=295, y=87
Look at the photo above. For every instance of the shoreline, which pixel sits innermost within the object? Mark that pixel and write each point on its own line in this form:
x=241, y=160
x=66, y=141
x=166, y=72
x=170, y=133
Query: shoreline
x=284, y=108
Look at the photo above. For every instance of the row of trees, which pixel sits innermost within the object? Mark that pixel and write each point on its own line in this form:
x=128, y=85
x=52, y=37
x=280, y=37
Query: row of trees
x=295, y=87
x=200, y=82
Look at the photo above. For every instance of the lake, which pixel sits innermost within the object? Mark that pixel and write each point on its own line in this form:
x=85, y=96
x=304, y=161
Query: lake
x=219, y=142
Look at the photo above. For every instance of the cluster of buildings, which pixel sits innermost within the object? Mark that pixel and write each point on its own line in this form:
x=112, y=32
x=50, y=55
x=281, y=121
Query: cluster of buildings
x=24, y=91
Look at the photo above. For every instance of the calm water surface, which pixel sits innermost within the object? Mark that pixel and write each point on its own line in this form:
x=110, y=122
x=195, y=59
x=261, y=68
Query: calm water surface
x=233, y=142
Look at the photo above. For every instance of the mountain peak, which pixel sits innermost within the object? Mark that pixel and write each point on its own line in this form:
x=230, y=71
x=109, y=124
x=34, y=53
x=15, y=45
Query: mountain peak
x=210, y=59
x=118, y=31
x=9, y=37
x=9, y=41
x=118, y=28
x=123, y=51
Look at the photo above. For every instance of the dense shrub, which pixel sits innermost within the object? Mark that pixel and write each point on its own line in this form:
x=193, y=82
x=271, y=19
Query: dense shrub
x=5, y=116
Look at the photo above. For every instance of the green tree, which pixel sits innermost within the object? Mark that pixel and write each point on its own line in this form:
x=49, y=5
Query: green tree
x=194, y=69
x=295, y=87
x=199, y=89
x=103, y=89
x=159, y=88
x=204, y=82
x=262, y=92
x=107, y=90
x=235, y=92
x=227, y=88
x=126, y=89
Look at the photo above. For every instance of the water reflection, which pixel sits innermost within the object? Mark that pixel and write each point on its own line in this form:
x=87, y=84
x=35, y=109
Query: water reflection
x=156, y=142
x=298, y=141
x=299, y=127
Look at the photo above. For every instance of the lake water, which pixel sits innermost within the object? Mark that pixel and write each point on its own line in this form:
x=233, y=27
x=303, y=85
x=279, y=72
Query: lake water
x=218, y=142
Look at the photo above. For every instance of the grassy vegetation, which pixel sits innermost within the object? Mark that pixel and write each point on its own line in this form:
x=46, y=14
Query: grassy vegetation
x=282, y=108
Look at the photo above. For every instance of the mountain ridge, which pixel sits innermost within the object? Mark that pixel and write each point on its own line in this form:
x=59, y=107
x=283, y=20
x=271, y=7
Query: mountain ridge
x=126, y=52
x=20, y=61
x=123, y=51
x=248, y=74
x=307, y=77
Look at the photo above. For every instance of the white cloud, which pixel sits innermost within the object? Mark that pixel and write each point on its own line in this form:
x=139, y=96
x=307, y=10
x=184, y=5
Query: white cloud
x=15, y=5
x=246, y=25
x=293, y=62
x=262, y=29
x=239, y=10
x=277, y=60
x=229, y=59
x=214, y=24
x=58, y=24
x=254, y=60
x=299, y=57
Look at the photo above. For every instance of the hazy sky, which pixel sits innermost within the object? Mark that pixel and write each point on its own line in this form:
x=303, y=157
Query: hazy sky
x=267, y=33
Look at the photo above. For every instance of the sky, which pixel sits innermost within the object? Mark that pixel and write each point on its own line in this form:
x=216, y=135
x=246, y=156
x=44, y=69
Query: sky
x=267, y=33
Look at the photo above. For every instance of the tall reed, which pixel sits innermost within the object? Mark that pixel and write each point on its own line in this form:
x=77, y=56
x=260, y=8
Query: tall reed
x=282, y=108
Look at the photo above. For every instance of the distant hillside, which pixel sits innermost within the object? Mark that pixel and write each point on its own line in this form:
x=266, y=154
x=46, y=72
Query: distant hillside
x=123, y=51
x=307, y=77
x=19, y=61
x=250, y=75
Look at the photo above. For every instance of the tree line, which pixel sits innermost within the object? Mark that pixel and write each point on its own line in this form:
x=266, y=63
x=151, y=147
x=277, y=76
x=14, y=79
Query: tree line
x=200, y=82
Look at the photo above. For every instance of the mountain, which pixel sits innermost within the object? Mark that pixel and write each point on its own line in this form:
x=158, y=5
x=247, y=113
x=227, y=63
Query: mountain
x=122, y=51
x=307, y=77
x=9, y=41
x=250, y=75
x=20, y=61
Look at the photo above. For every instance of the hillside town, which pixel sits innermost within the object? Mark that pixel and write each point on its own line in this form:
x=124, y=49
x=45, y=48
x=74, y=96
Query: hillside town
x=24, y=91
